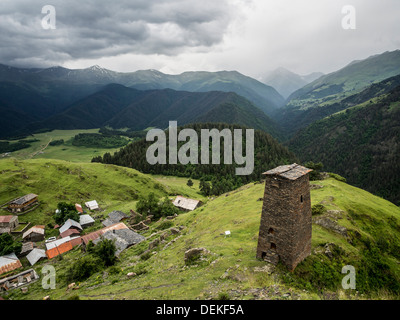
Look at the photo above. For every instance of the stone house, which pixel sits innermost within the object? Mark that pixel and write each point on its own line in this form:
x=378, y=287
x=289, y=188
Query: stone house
x=8, y=223
x=34, y=234
x=286, y=224
x=114, y=217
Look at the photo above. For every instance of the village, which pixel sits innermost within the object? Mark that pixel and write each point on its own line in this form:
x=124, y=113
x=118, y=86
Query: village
x=284, y=234
x=123, y=229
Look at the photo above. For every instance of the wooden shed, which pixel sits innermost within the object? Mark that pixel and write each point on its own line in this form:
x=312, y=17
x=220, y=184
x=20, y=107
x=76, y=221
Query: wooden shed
x=23, y=203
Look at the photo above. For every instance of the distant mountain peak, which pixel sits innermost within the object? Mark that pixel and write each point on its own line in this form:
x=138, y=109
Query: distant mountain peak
x=286, y=82
x=96, y=67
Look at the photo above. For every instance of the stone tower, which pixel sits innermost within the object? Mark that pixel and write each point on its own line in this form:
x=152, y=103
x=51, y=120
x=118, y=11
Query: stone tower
x=285, y=228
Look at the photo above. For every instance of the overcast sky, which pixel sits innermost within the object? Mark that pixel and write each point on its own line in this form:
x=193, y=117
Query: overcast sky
x=173, y=36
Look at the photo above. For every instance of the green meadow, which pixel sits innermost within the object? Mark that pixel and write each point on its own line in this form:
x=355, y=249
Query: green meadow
x=231, y=268
x=41, y=150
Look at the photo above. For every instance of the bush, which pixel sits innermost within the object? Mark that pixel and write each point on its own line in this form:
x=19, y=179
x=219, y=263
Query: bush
x=95, y=140
x=56, y=142
x=148, y=205
x=316, y=167
x=105, y=250
x=65, y=211
x=114, y=270
x=318, y=209
x=153, y=205
x=8, y=245
x=337, y=177
x=84, y=268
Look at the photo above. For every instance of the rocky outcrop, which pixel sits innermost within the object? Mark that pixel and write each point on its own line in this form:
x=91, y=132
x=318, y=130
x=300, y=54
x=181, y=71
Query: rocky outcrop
x=195, y=254
x=331, y=225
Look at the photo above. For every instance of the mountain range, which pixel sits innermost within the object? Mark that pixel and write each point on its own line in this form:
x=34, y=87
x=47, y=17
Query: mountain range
x=34, y=95
x=286, y=82
x=314, y=123
x=119, y=107
x=361, y=141
x=332, y=92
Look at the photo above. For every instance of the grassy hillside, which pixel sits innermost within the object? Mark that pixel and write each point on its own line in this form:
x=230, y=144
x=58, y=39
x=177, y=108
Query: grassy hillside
x=369, y=242
x=361, y=143
x=346, y=81
x=293, y=119
x=66, y=151
x=55, y=181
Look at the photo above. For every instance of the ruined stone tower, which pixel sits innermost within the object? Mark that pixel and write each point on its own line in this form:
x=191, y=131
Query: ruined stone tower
x=285, y=229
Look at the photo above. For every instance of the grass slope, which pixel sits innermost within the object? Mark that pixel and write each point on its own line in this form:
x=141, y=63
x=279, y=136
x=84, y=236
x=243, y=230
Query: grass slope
x=65, y=151
x=348, y=80
x=360, y=143
x=229, y=271
x=55, y=181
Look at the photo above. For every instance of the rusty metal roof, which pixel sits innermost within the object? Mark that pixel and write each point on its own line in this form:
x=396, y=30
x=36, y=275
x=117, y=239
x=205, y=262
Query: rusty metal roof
x=78, y=207
x=69, y=232
x=96, y=234
x=75, y=241
x=64, y=247
x=291, y=171
x=9, y=262
x=6, y=219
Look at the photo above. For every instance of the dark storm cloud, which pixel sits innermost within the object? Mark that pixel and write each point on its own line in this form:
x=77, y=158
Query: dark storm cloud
x=98, y=28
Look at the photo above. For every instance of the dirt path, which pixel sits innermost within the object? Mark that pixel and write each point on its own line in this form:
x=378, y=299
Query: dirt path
x=41, y=150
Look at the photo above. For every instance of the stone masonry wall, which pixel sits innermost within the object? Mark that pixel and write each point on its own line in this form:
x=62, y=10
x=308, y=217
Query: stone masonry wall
x=285, y=228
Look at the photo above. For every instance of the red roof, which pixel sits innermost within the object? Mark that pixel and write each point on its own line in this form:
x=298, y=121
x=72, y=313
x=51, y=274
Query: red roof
x=69, y=232
x=14, y=264
x=96, y=234
x=5, y=219
x=75, y=241
x=78, y=207
x=65, y=247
